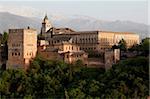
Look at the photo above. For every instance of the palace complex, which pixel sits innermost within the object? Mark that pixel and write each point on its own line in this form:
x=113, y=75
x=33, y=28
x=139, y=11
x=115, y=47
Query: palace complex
x=61, y=43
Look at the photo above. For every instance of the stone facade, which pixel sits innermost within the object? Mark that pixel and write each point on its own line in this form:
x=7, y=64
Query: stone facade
x=107, y=39
x=91, y=41
x=96, y=41
x=111, y=57
x=71, y=57
x=22, y=47
x=71, y=52
x=65, y=51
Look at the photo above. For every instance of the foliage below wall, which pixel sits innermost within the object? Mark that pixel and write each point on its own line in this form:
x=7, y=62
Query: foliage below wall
x=56, y=79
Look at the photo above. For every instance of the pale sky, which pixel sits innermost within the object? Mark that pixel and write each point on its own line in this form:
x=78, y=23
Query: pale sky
x=133, y=10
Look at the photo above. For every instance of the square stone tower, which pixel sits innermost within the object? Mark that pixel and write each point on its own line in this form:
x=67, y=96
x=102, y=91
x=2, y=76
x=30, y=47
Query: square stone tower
x=22, y=48
x=111, y=57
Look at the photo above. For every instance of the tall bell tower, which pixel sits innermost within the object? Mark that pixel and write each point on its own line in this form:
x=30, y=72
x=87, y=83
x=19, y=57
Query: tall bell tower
x=46, y=25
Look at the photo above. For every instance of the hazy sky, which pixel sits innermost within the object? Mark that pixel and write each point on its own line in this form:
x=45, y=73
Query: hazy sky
x=135, y=10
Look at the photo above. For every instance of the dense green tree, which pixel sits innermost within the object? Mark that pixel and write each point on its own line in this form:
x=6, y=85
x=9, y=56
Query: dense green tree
x=4, y=38
x=145, y=46
x=12, y=83
x=135, y=47
x=4, y=49
x=122, y=45
x=56, y=79
x=129, y=78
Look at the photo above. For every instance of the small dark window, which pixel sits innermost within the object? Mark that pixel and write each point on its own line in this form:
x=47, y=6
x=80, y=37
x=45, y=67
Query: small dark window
x=15, y=53
x=12, y=54
x=19, y=54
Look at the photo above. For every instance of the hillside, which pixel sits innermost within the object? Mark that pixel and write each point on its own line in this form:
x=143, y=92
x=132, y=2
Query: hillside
x=8, y=21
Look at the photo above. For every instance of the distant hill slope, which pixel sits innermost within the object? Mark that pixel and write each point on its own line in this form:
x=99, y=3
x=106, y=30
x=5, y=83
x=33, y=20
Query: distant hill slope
x=91, y=24
x=8, y=20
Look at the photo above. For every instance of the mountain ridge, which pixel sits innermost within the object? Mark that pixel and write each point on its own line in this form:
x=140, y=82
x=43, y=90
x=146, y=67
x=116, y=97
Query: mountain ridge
x=78, y=23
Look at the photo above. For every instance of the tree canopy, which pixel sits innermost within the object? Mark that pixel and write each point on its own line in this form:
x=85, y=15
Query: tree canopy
x=4, y=38
x=122, y=45
x=143, y=47
x=56, y=79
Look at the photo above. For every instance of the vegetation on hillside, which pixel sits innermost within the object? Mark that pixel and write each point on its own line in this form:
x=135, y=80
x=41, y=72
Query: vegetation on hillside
x=4, y=38
x=143, y=47
x=56, y=79
x=122, y=45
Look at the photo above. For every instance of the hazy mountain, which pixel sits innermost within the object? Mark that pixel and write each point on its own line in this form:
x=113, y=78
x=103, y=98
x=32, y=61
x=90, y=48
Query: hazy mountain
x=76, y=22
x=8, y=21
x=94, y=24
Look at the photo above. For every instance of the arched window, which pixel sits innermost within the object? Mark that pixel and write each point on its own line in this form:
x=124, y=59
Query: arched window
x=15, y=53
